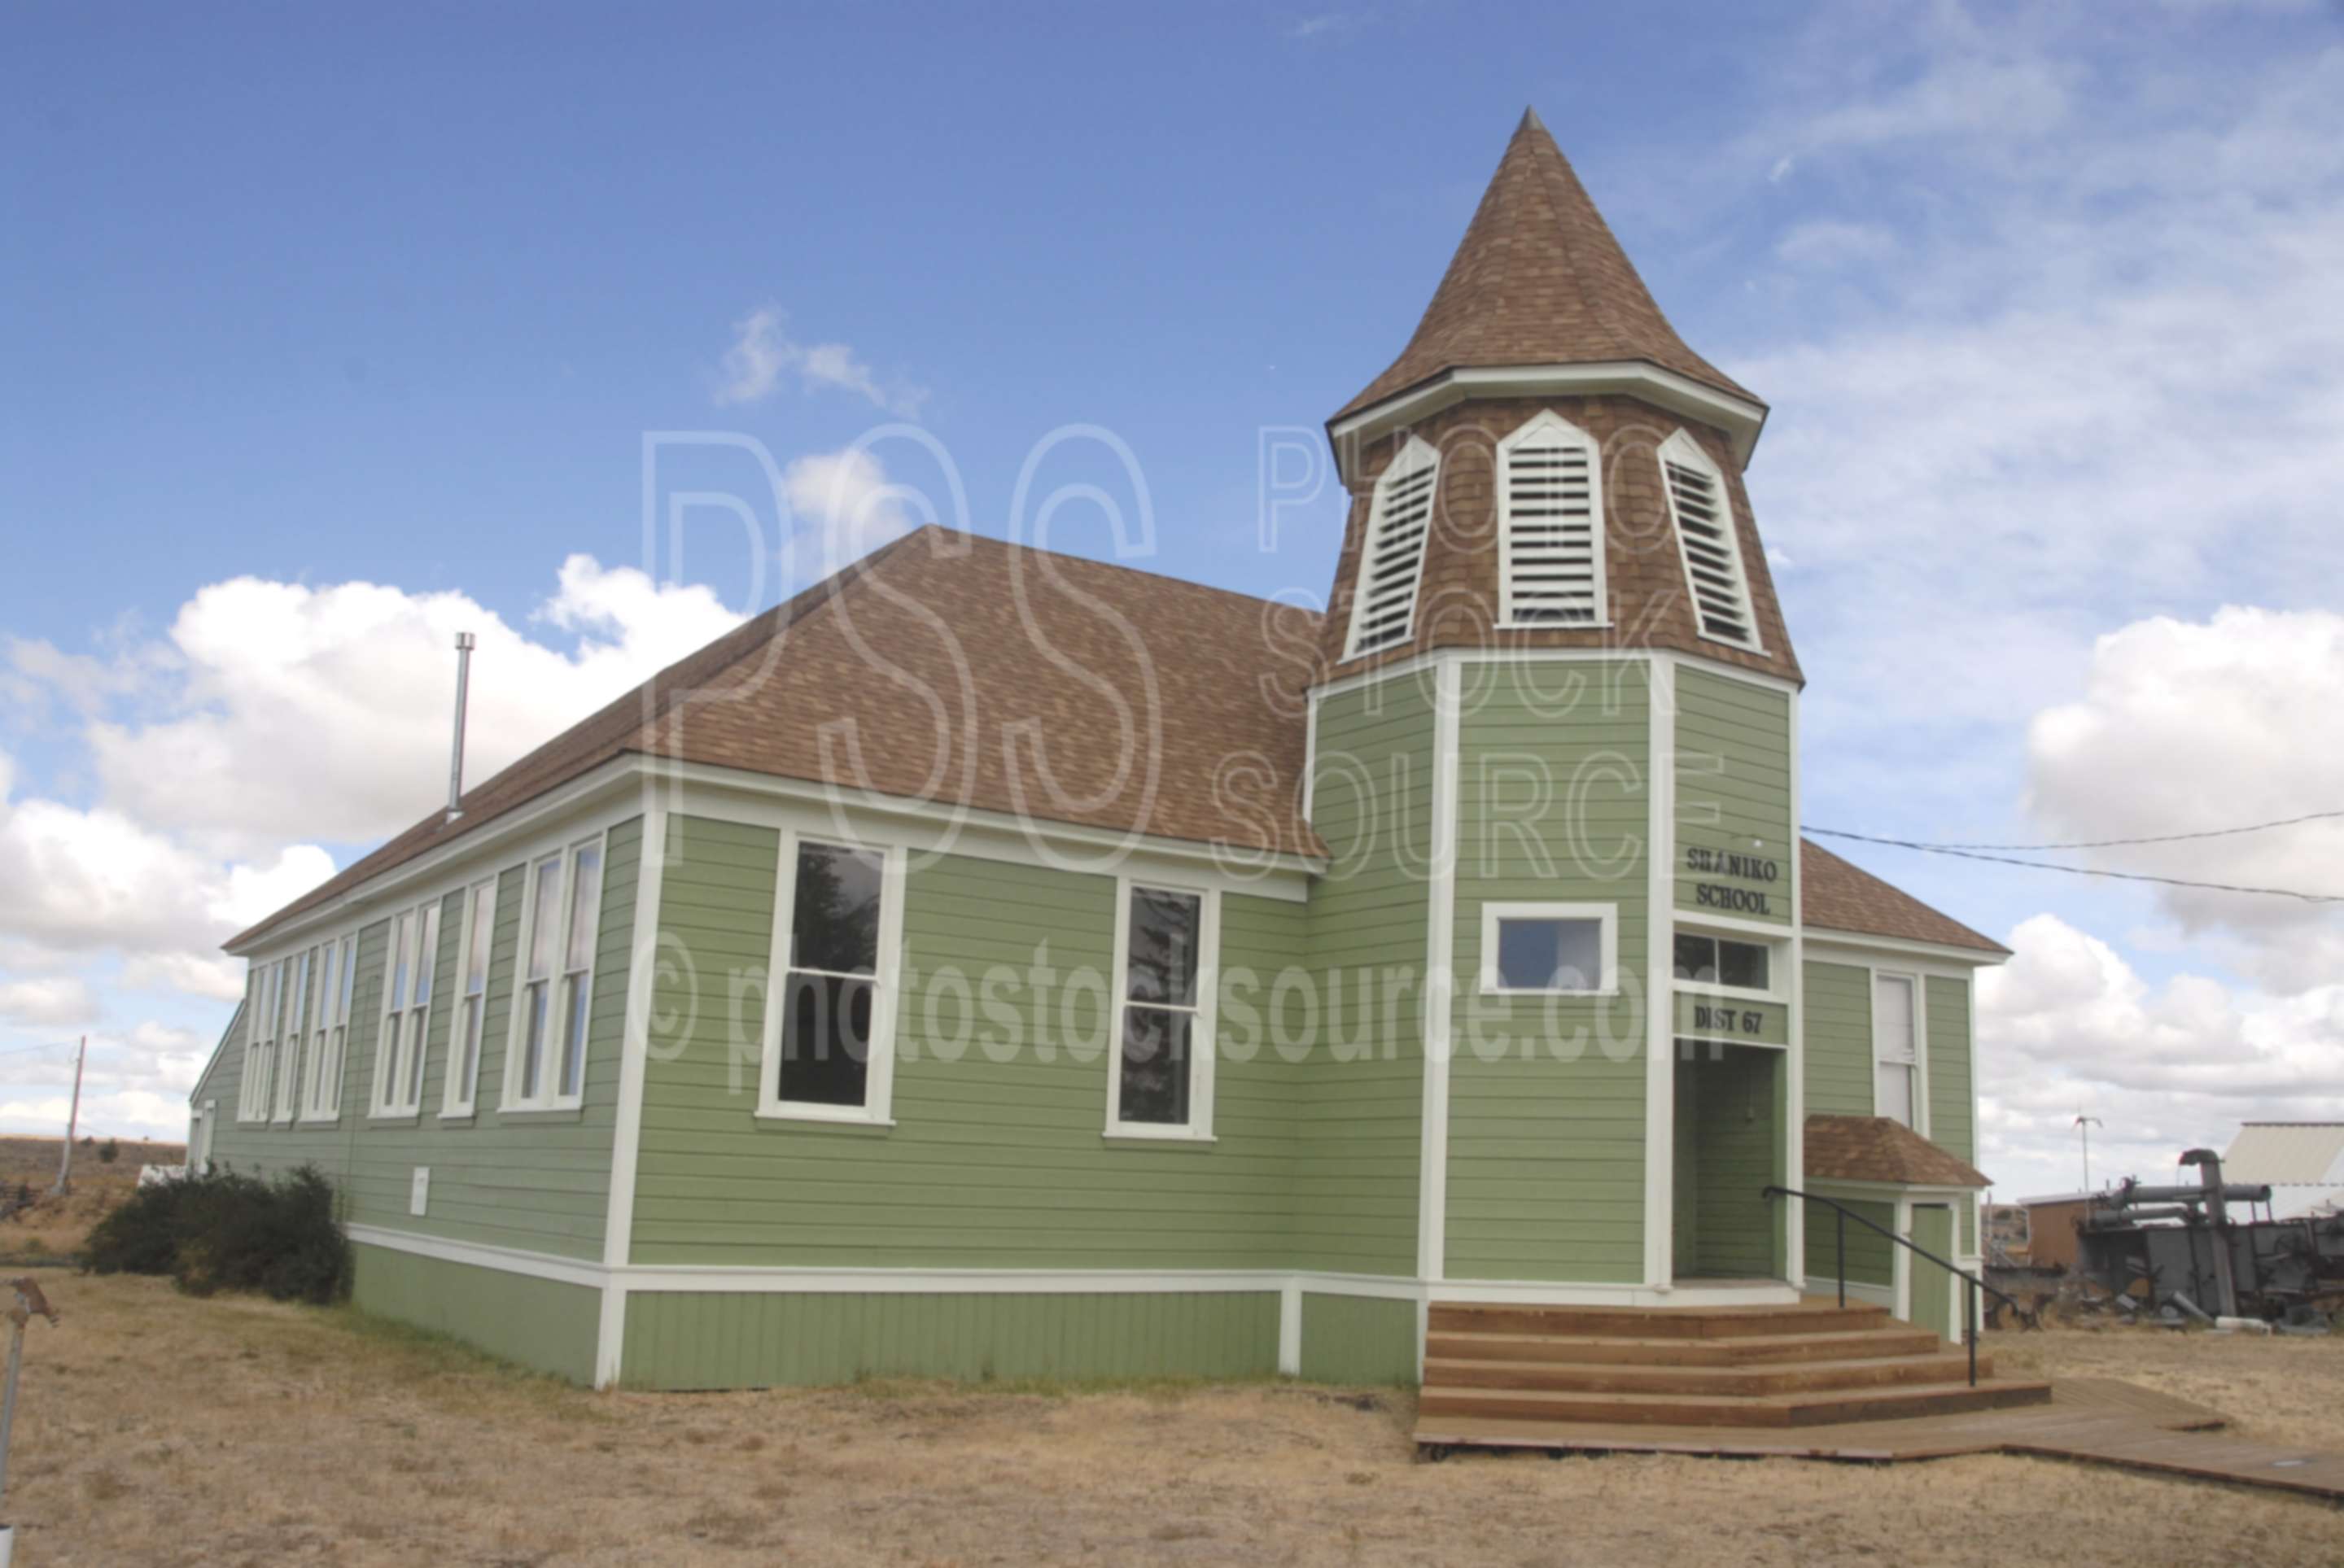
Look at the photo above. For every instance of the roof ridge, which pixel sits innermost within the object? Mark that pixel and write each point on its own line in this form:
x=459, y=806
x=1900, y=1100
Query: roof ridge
x=1189, y=583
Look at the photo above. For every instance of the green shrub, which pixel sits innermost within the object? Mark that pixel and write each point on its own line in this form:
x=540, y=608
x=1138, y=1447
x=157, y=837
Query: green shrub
x=226, y=1231
x=108, y=1153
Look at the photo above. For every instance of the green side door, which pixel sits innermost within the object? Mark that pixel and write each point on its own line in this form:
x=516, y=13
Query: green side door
x=1932, y=1296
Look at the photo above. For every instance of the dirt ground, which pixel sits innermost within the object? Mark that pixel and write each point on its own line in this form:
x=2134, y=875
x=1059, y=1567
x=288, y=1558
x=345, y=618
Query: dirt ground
x=55, y=1227
x=155, y=1428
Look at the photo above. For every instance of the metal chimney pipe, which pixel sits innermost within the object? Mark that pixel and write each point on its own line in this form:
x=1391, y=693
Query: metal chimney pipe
x=464, y=643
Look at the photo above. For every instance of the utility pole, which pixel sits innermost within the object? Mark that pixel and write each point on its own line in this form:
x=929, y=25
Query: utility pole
x=73, y=1121
x=2083, y=1125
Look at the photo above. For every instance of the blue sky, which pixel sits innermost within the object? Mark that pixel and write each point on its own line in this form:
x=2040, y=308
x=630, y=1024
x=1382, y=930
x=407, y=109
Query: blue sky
x=2040, y=295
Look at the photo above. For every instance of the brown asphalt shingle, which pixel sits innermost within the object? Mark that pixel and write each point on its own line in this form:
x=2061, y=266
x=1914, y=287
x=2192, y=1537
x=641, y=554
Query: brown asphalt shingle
x=967, y=671
x=1839, y=896
x=1539, y=279
x=1879, y=1149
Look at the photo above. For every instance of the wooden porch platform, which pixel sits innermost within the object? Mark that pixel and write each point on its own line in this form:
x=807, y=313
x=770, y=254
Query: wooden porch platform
x=2098, y=1420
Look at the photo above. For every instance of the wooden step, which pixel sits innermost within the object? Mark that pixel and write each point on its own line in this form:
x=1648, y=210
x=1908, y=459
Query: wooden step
x=1692, y=1409
x=1728, y=1381
x=1653, y=1322
x=1889, y=1339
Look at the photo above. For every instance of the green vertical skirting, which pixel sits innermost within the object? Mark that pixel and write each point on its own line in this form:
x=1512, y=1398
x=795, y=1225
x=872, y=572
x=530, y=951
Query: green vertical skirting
x=1358, y=1340
x=695, y=1340
x=539, y=1324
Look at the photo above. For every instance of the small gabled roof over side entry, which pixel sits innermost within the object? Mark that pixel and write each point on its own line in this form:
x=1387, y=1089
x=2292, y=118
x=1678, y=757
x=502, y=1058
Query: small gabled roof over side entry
x=1880, y=1148
x=951, y=667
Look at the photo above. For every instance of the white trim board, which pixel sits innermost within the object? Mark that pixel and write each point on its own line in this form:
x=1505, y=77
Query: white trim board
x=1740, y=420
x=1439, y=977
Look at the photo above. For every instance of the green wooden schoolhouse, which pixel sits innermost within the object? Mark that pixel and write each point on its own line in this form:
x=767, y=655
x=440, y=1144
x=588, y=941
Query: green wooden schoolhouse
x=996, y=963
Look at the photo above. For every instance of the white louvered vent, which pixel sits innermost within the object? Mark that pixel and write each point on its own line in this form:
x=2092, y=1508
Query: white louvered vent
x=1383, y=603
x=1709, y=542
x=1551, y=526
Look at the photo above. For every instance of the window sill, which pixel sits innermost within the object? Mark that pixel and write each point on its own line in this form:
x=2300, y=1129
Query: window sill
x=395, y=1117
x=1757, y=648
x=541, y=1114
x=1730, y=993
x=458, y=1118
x=333, y=1121
x=1142, y=1133
x=1554, y=624
x=1612, y=993
x=822, y=1116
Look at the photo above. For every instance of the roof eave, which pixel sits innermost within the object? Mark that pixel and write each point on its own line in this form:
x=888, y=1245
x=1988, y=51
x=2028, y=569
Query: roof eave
x=1740, y=418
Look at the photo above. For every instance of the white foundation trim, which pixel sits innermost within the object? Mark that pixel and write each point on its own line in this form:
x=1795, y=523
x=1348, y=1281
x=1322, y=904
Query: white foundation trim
x=1289, y=1329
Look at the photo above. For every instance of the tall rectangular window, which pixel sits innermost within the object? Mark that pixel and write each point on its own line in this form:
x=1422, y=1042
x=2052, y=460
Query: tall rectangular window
x=545, y=1056
x=254, y=1094
x=296, y=1034
x=407, y=1010
x=1895, y=1051
x=321, y=1090
x=472, y=1003
x=829, y=1027
x=1162, y=1084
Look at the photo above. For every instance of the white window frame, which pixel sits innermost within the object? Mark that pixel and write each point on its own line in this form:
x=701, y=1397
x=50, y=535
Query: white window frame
x=395, y=1071
x=1416, y=457
x=548, y=1095
x=321, y=1080
x=1540, y=432
x=460, y=1094
x=293, y=1036
x=1778, y=958
x=1198, y=1128
x=1607, y=917
x=877, y=1109
x=1684, y=450
x=1919, y=1063
x=256, y=1084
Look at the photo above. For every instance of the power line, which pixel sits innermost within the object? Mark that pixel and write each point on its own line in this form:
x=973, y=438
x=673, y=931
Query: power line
x=2113, y=843
x=1968, y=854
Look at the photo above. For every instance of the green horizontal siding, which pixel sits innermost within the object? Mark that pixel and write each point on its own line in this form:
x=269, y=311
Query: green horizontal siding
x=998, y=1157
x=1546, y=1115
x=1357, y=1338
x=1838, y=1027
x=539, y=1324
x=1869, y=1260
x=1358, y=1122
x=712, y=1340
x=1738, y=1105
x=532, y=1182
x=1733, y=785
x=1950, y=1122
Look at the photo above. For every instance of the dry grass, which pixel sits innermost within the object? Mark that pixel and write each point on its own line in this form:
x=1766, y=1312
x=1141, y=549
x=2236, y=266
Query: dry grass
x=158, y=1429
x=57, y=1227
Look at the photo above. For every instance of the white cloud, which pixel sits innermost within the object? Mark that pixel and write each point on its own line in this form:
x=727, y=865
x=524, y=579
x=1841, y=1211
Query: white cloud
x=848, y=507
x=2068, y=1026
x=763, y=352
x=1832, y=243
x=56, y=1002
x=321, y=714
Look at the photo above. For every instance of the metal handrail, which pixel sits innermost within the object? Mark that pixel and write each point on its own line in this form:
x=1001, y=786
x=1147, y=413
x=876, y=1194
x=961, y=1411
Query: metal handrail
x=1845, y=1214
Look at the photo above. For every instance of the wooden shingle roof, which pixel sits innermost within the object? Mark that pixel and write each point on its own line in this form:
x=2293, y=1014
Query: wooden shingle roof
x=1839, y=896
x=1878, y=1149
x=1539, y=279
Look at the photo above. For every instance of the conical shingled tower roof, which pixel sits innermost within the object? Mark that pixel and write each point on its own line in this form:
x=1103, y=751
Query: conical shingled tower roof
x=1539, y=279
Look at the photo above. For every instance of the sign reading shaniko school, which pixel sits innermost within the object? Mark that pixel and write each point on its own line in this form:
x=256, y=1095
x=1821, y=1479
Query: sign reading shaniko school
x=1725, y=895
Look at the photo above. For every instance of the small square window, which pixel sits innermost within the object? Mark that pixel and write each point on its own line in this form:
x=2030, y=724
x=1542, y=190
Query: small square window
x=1555, y=949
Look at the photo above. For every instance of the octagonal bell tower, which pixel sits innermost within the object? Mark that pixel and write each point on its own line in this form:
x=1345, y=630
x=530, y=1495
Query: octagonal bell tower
x=1554, y=675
